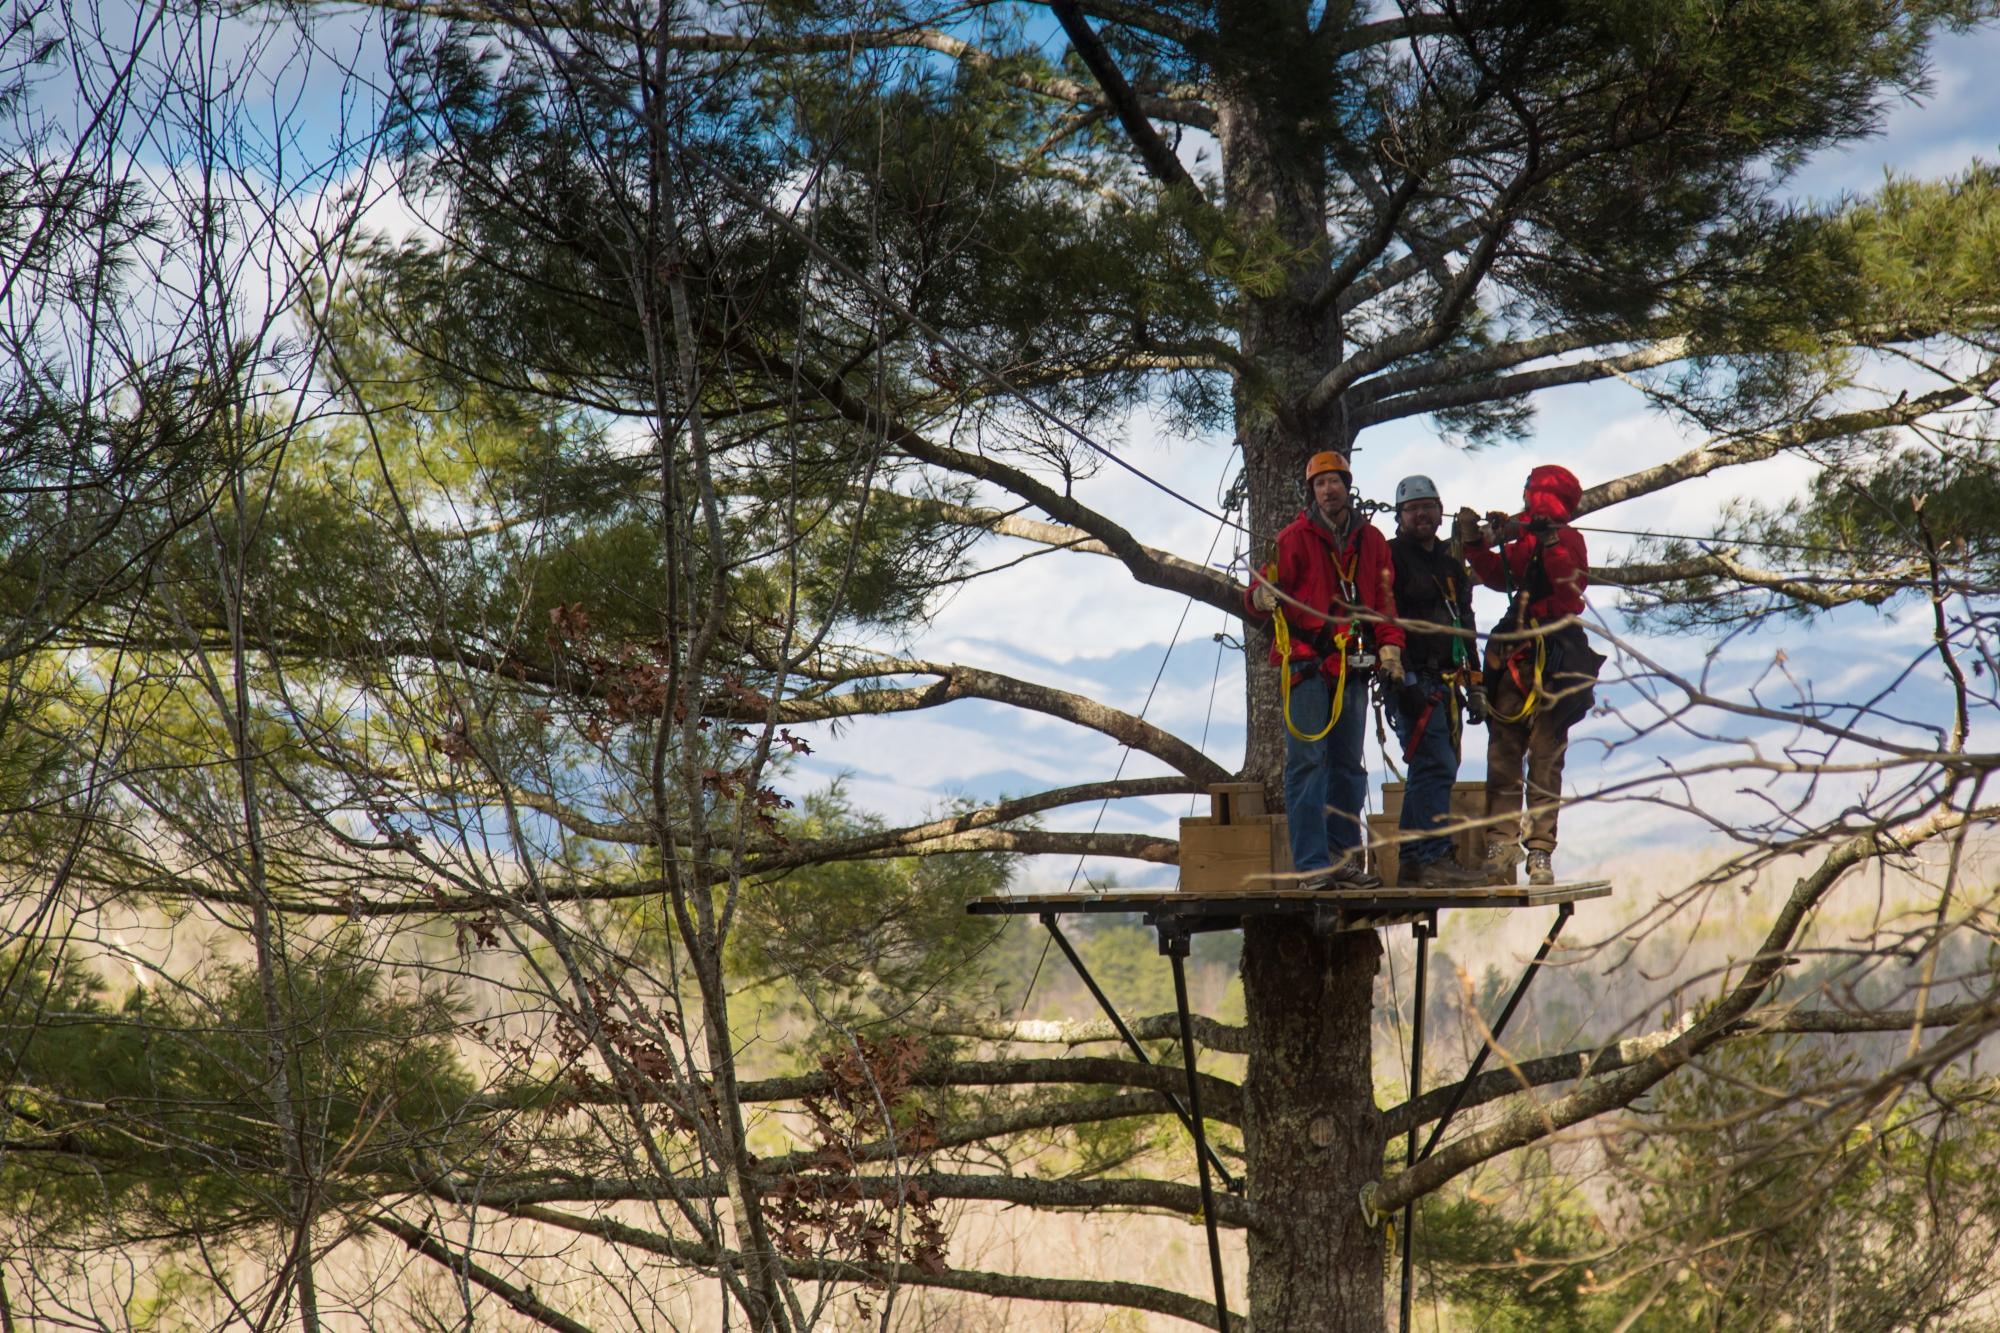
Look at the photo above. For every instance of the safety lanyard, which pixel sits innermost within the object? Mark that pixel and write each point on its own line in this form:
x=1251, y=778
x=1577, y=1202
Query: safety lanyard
x=1283, y=632
x=1345, y=577
x=1448, y=589
x=1282, y=629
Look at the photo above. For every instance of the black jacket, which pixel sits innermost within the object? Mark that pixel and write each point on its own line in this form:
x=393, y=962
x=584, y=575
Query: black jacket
x=1432, y=585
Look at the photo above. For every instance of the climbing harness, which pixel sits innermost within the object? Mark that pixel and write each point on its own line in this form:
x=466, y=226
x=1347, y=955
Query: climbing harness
x=1284, y=636
x=1531, y=690
x=1283, y=633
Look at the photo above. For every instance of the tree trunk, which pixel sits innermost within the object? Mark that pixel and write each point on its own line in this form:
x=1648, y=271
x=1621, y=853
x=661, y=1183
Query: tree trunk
x=1312, y=1133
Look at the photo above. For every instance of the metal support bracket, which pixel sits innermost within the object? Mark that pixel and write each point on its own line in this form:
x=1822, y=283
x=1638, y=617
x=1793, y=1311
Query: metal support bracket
x=1424, y=932
x=1500, y=1026
x=1174, y=943
x=1176, y=949
x=1229, y=1182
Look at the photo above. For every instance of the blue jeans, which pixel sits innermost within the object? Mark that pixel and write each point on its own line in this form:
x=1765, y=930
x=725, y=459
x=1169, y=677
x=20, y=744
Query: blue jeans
x=1432, y=770
x=1325, y=782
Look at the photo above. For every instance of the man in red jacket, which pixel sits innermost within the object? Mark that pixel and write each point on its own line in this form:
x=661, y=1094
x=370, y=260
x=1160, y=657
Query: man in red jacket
x=1333, y=584
x=1535, y=681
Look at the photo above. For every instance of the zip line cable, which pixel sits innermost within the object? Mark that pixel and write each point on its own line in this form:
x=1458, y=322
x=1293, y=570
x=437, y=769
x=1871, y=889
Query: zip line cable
x=1172, y=643
x=1214, y=685
x=1712, y=540
x=1126, y=754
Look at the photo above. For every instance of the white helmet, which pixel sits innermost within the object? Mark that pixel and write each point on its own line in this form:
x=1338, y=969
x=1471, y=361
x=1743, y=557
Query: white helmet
x=1418, y=487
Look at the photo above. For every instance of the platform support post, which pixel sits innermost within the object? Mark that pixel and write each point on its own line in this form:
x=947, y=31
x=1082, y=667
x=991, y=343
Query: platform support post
x=1423, y=931
x=1175, y=946
x=1500, y=1026
x=1229, y=1182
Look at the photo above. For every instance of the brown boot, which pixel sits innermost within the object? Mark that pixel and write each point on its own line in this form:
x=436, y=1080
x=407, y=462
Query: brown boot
x=1540, y=871
x=1501, y=860
x=1445, y=873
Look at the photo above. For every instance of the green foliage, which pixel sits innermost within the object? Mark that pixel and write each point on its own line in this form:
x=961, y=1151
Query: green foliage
x=156, y=1116
x=1821, y=1210
x=1507, y=1272
x=868, y=941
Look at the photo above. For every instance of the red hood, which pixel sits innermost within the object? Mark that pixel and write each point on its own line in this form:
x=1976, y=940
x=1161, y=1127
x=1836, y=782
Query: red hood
x=1553, y=493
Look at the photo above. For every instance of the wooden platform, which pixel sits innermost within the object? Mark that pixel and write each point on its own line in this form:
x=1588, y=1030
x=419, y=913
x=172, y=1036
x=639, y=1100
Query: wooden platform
x=1339, y=909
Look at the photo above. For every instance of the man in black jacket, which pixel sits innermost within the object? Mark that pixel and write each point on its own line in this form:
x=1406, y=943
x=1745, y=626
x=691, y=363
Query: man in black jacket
x=1433, y=586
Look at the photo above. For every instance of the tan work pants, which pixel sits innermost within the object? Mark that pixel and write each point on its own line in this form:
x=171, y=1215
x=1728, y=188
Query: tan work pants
x=1542, y=744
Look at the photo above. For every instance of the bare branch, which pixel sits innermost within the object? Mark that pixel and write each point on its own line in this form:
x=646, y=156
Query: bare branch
x=1572, y=1065
x=1466, y=392
x=1154, y=1027
x=1524, y=1124
x=1872, y=589
x=1730, y=451
x=519, y=1298
x=1127, y=1295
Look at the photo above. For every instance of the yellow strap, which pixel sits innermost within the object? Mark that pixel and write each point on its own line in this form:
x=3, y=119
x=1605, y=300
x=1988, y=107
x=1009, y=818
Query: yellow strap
x=1535, y=688
x=1284, y=635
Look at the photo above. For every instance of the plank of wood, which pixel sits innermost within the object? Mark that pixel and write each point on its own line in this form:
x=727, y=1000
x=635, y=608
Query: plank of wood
x=1383, y=900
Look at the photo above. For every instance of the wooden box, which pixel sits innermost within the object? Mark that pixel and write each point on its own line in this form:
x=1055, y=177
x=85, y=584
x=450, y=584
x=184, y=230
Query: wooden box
x=1236, y=847
x=1468, y=842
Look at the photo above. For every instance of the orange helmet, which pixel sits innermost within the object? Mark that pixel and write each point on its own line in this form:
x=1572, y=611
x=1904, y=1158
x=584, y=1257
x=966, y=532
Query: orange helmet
x=1328, y=461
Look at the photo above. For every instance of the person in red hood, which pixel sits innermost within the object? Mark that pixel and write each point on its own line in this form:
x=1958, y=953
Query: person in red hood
x=1335, y=586
x=1536, y=681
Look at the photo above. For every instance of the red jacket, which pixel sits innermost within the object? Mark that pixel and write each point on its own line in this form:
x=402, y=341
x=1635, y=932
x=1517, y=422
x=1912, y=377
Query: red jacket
x=1306, y=573
x=1565, y=559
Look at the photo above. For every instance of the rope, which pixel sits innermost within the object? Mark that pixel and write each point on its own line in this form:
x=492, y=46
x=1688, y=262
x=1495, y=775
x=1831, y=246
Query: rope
x=1284, y=637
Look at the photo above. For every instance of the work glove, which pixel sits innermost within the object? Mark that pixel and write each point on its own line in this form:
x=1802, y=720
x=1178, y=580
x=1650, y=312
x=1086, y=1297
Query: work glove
x=1504, y=527
x=1476, y=707
x=1465, y=526
x=1264, y=597
x=1389, y=669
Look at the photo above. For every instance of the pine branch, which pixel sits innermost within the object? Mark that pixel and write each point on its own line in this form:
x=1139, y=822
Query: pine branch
x=1123, y=546
x=1153, y=150
x=1005, y=524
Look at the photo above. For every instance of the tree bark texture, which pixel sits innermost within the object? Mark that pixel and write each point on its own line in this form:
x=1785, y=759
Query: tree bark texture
x=1312, y=1133
x=1275, y=181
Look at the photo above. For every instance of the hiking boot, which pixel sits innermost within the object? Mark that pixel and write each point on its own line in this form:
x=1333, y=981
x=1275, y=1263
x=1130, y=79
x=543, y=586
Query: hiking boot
x=1445, y=873
x=1539, y=869
x=1345, y=873
x=1501, y=859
